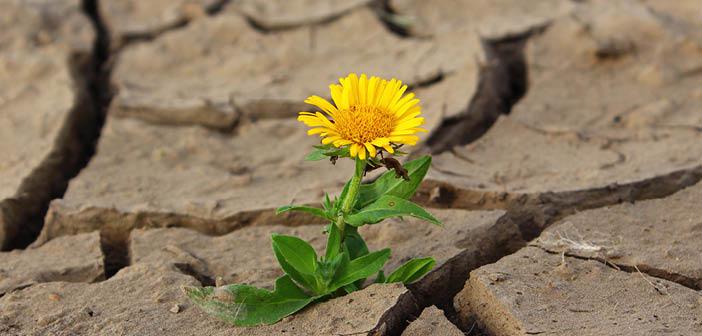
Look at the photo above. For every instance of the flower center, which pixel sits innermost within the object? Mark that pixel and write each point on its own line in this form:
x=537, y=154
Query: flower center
x=363, y=123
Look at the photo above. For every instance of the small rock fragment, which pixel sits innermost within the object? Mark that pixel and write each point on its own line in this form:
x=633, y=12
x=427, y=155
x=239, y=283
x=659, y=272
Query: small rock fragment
x=175, y=309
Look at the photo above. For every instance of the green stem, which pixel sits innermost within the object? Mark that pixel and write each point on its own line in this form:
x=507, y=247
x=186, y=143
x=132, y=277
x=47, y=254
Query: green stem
x=351, y=196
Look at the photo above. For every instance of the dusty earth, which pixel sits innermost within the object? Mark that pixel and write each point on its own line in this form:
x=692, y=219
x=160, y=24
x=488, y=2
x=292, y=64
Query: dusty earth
x=147, y=143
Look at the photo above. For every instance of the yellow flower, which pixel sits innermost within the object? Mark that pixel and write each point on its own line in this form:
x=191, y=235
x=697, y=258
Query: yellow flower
x=368, y=115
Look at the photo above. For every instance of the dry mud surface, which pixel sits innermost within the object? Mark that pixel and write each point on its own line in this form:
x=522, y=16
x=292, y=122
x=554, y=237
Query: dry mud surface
x=147, y=143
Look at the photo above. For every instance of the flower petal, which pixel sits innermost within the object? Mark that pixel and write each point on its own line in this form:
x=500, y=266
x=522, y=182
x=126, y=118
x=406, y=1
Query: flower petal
x=362, y=89
x=322, y=103
x=336, y=93
x=352, y=82
x=371, y=149
x=353, y=150
x=381, y=142
x=361, y=152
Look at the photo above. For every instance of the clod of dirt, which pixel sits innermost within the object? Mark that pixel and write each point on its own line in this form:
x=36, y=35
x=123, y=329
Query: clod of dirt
x=491, y=19
x=658, y=237
x=469, y=239
x=40, y=106
x=450, y=96
x=610, y=117
x=254, y=75
x=72, y=258
x=161, y=176
x=275, y=15
x=432, y=322
x=243, y=256
x=133, y=18
x=628, y=69
x=594, y=299
x=514, y=165
x=139, y=298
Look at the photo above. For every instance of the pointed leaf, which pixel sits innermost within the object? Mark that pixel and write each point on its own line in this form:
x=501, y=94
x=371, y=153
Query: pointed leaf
x=381, y=277
x=297, y=252
x=390, y=184
x=360, y=268
x=411, y=271
x=327, y=204
x=333, y=242
x=315, y=211
x=298, y=260
x=386, y=207
x=316, y=155
x=355, y=244
x=342, y=196
x=325, y=151
x=244, y=305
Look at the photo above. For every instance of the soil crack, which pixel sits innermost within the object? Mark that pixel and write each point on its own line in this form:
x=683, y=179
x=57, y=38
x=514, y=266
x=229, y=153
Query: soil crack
x=502, y=82
x=692, y=283
x=75, y=143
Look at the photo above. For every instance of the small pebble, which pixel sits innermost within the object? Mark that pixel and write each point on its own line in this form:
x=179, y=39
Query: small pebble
x=54, y=297
x=175, y=309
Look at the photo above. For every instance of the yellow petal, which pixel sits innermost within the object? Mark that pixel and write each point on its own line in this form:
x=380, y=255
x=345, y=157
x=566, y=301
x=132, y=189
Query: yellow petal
x=405, y=139
x=409, y=114
x=405, y=107
x=353, y=150
x=389, y=92
x=329, y=140
x=404, y=132
x=361, y=152
x=402, y=101
x=372, y=87
x=389, y=149
x=317, y=130
x=325, y=121
x=378, y=92
x=381, y=142
x=362, y=89
x=371, y=149
x=398, y=94
x=311, y=121
x=410, y=124
x=352, y=81
x=322, y=103
x=345, y=98
x=342, y=142
x=336, y=93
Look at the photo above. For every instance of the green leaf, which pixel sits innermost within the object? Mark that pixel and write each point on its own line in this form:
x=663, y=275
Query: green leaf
x=333, y=242
x=342, y=196
x=325, y=151
x=245, y=306
x=381, y=277
x=315, y=211
x=355, y=244
x=297, y=252
x=350, y=288
x=316, y=155
x=327, y=269
x=412, y=270
x=386, y=207
x=327, y=204
x=390, y=184
x=360, y=268
x=297, y=259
